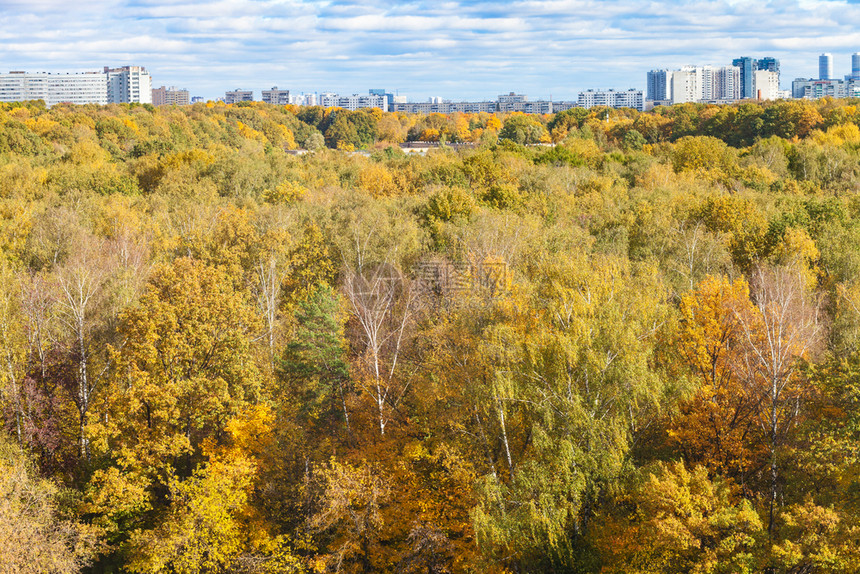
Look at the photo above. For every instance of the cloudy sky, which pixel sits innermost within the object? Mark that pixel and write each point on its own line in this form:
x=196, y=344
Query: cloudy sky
x=457, y=49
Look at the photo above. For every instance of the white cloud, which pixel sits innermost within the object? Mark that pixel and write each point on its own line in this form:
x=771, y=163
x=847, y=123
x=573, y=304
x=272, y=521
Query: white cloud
x=472, y=47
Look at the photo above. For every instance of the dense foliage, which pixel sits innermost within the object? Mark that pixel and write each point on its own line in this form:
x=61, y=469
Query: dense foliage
x=599, y=341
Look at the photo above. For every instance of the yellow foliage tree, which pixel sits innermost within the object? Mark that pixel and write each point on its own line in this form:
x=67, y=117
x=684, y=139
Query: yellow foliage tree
x=679, y=521
x=717, y=427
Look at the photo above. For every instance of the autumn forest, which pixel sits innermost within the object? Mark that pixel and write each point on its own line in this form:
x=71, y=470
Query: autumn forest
x=261, y=339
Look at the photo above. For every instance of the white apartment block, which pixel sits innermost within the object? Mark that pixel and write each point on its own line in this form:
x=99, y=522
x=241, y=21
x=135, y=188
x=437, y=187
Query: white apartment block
x=114, y=85
x=328, y=100
x=726, y=82
x=306, y=100
x=701, y=84
x=611, y=99
x=85, y=88
x=766, y=85
x=536, y=107
x=276, y=97
x=128, y=84
x=358, y=101
x=686, y=85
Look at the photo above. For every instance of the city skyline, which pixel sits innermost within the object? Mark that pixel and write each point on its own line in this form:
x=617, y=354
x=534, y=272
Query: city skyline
x=460, y=50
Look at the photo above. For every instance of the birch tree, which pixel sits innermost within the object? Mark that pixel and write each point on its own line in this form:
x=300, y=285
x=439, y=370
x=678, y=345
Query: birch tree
x=383, y=304
x=786, y=329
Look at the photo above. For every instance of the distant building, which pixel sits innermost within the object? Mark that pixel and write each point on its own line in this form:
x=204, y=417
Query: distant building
x=512, y=98
x=442, y=107
x=767, y=85
x=439, y=106
x=197, y=99
x=307, y=100
x=170, y=97
x=113, y=85
x=358, y=102
x=85, y=88
x=720, y=83
x=825, y=67
x=563, y=105
x=471, y=107
x=659, y=86
x=855, y=66
x=770, y=64
x=328, y=99
x=747, y=68
x=390, y=97
x=276, y=97
x=812, y=89
x=611, y=99
x=535, y=107
x=238, y=95
x=686, y=86
x=128, y=84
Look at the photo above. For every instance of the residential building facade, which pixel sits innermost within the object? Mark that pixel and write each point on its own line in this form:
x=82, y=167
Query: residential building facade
x=276, y=97
x=659, y=86
x=237, y=95
x=171, y=96
x=767, y=85
x=84, y=88
x=812, y=89
x=128, y=84
x=611, y=99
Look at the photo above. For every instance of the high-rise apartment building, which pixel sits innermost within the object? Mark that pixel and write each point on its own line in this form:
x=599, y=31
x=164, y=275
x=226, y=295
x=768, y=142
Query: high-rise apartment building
x=391, y=97
x=770, y=64
x=705, y=83
x=748, y=68
x=128, y=84
x=720, y=83
x=170, y=97
x=276, y=97
x=767, y=85
x=659, y=86
x=685, y=85
x=825, y=67
x=826, y=85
